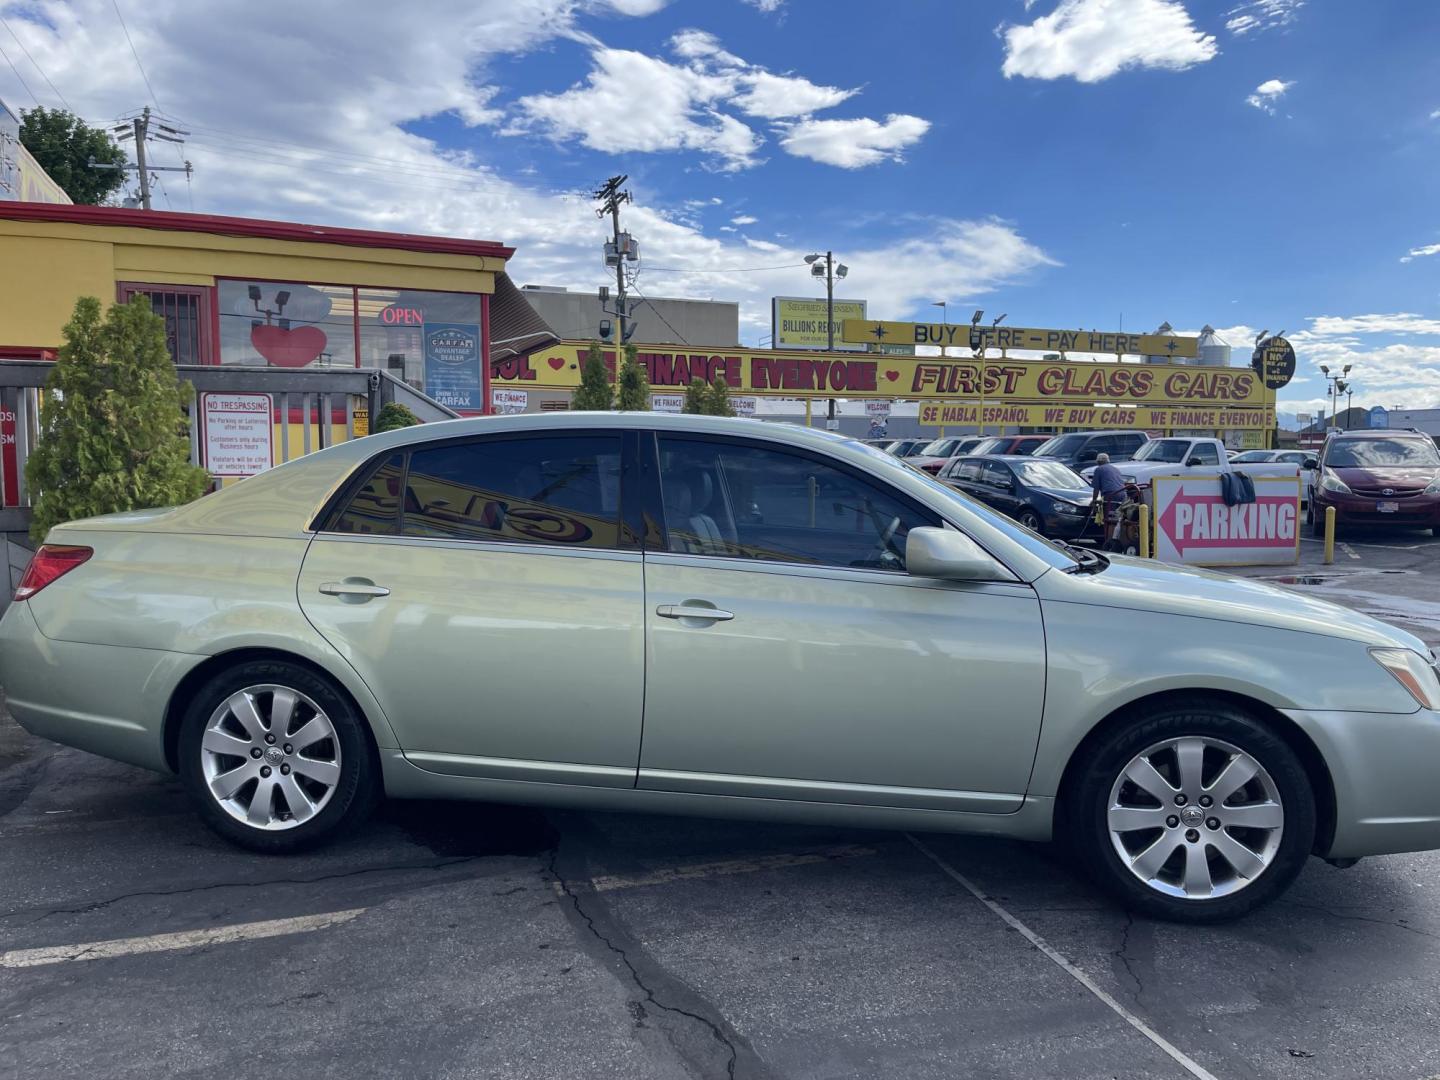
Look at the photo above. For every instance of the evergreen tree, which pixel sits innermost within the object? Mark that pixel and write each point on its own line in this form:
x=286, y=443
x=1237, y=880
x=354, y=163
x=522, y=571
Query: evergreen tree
x=595, y=392
x=63, y=145
x=394, y=416
x=718, y=398
x=696, y=398
x=113, y=434
x=632, y=388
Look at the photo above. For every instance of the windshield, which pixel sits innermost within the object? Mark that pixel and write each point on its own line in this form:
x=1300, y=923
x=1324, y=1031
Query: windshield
x=1163, y=450
x=1061, y=446
x=1366, y=453
x=988, y=446
x=1254, y=455
x=1050, y=474
x=938, y=448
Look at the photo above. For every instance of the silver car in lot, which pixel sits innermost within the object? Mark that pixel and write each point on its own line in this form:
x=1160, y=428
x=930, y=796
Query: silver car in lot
x=638, y=612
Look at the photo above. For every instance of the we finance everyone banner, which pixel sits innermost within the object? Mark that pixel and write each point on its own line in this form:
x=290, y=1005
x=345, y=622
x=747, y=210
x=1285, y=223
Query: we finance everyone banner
x=925, y=378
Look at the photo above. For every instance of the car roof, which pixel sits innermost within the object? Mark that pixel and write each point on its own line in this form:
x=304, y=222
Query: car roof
x=1380, y=433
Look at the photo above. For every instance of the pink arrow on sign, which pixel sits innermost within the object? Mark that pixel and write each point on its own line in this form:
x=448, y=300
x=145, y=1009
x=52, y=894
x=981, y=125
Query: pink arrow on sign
x=1204, y=521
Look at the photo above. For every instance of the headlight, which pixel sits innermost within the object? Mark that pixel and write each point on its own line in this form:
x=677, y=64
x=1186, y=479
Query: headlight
x=1066, y=508
x=1331, y=482
x=1128, y=479
x=1433, y=488
x=1412, y=671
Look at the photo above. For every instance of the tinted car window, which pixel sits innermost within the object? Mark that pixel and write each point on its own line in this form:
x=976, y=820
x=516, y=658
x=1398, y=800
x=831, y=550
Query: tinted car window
x=544, y=490
x=1206, y=454
x=1128, y=444
x=752, y=502
x=375, y=506
x=994, y=474
x=1061, y=445
x=1367, y=453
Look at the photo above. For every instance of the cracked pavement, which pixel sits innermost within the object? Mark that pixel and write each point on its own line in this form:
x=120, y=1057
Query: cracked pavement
x=483, y=949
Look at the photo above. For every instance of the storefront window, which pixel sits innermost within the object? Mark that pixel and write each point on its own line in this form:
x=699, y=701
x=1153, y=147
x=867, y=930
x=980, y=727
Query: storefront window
x=429, y=339
x=285, y=324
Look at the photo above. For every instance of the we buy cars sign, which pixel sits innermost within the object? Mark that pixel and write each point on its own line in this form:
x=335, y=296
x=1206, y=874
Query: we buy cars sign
x=1193, y=524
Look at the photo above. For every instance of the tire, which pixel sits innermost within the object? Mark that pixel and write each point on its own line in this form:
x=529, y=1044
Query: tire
x=1314, y=520
x=1276, y=853
x=332, y=777
x=1031, y=521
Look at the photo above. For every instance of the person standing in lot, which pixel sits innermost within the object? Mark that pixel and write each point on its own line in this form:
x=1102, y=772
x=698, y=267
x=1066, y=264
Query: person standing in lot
x=1109, y=486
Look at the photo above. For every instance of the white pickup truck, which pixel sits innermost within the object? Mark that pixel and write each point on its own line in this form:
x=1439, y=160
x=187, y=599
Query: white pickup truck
x=1169, y=456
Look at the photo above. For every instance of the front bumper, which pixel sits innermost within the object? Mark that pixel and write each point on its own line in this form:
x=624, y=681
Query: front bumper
x=1069, y=526
x=107, y=699
x=1415, y=512
x=1383, y=766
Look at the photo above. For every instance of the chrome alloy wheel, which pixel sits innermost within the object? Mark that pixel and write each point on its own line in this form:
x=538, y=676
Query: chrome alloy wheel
x=1195, y=818
x=270, y=757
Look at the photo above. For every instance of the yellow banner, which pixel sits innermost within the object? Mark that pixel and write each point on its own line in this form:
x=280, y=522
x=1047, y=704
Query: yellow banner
x=954, y=336
x=806, y=375
x=1089, y=418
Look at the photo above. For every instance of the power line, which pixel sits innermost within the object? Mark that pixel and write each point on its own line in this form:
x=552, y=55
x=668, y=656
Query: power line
x=646, y=299
x=736, y=270
x=6, y=57
x=153, y=99
x=34, y=64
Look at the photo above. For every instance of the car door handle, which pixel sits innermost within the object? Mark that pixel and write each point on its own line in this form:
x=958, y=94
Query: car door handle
x=693, y=611
x=352, y=587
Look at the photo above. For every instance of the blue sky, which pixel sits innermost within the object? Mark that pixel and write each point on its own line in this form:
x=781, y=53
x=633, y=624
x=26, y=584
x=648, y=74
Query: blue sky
x=1248, y=163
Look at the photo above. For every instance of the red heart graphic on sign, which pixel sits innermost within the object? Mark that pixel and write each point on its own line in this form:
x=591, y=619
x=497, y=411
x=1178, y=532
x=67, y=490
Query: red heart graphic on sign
x=556, y=362
x=288, y=348
x=892, y=375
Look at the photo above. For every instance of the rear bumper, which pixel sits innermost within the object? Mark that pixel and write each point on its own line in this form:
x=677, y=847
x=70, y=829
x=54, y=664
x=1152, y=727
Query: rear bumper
x=1383, y=766
x=107, y=699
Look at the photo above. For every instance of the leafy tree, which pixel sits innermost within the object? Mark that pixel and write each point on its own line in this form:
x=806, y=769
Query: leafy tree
x=631, y=385
x=697, y=396
x=594, y=392
x=718, y=398
x=63, y=145
x=113, y=433
x=394, y=416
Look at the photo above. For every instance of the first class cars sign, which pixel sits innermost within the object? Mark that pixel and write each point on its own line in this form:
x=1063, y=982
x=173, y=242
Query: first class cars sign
x=239, y=433
x=1193, y=524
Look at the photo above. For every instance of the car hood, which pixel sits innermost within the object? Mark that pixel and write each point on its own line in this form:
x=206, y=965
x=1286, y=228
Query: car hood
x=1387, y=475
x=1080, y=496
x=1147, y=585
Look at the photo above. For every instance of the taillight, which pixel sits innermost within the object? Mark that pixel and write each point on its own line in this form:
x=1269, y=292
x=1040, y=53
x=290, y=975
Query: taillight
x=51, y=562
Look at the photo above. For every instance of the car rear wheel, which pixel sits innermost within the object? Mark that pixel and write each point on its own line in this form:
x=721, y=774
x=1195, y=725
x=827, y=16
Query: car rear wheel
x=1031, y=521
x=1198, y=813
x=276, y=758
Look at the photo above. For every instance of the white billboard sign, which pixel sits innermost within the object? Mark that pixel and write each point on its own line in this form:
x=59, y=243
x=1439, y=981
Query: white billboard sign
x=744, y=406
x=1194, y=525
x=799, y=322
x=671, y=403
x=239, y=433
x=509, y=402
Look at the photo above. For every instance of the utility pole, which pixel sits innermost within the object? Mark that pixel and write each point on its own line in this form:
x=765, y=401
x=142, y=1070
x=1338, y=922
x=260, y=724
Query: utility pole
x=831, y=272
x=619, y=250
x=139, y=129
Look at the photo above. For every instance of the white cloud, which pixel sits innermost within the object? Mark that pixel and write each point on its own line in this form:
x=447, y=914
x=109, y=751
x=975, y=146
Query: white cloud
x=1403, y=322
x=767, y=6
x=327, y=143
x=691, y=105
x=1091, y=40
x=1435, y=115
x=1257, y=16
x=853, y=144
x=636, y=7
x=1404, y=372
x=1420, y=253
x=743, y=219
x=1268, y=94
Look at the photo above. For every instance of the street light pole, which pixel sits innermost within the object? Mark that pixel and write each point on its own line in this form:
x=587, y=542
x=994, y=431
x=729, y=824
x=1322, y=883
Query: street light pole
x=830, y=423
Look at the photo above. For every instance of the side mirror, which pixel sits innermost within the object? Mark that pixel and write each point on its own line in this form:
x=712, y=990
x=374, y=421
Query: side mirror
x=1193, y=462
x=1311, y=463
x=953, y=556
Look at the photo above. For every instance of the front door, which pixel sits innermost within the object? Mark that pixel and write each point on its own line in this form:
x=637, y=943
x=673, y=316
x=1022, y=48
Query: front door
x=791, y=656
x=488, y=593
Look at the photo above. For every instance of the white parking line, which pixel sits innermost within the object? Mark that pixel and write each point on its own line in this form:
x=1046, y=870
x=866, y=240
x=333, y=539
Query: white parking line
x=1194, y=1068
x=185, y=939
x=608, y=882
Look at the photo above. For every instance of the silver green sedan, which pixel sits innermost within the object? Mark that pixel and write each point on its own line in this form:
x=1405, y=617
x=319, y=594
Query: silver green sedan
x=636, y=612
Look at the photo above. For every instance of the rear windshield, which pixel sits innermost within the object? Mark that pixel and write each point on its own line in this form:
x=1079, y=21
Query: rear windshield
x=1365, y=453
x=1163, y=450
x=938, y=448
x=1061, y=446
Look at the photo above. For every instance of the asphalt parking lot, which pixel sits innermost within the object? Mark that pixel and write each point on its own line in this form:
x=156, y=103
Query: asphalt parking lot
x=454, y=940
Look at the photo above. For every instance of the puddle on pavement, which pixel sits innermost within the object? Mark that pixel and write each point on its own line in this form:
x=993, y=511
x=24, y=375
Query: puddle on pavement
x=1324, y=579
x=461, y=829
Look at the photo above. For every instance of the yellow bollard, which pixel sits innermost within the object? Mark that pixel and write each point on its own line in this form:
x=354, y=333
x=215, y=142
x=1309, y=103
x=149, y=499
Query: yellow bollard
x=1329, y=535
x=1144, y=519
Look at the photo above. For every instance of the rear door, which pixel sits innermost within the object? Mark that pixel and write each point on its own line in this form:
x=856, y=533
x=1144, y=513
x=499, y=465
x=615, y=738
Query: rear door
x=490, y=593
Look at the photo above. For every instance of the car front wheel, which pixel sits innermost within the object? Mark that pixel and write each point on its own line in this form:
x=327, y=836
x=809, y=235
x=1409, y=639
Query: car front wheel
x=1197, y=813
x=1031, y=521
x=276, y=758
